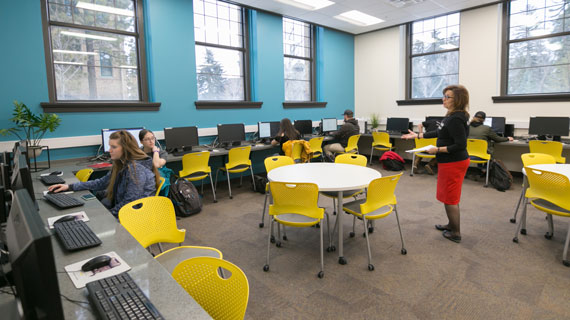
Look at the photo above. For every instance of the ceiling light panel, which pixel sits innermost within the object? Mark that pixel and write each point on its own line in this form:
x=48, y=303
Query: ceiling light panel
x=308, y=4
x=358, y=18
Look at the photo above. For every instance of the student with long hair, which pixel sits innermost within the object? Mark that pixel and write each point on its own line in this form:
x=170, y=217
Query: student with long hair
x=132, y=177
x=286, y=132
x=148, y=140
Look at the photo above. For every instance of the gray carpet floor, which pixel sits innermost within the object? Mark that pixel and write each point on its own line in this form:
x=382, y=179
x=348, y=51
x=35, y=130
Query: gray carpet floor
x=486, y=276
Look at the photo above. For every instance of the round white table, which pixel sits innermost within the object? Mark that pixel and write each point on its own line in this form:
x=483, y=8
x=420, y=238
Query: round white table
x=337, y=177
x=561, y=168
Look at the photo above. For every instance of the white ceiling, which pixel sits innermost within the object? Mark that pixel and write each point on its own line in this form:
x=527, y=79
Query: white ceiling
x=392, y=15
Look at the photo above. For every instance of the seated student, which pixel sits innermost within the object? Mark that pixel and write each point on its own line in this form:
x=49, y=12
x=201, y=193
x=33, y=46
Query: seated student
x=430, y=125
x=286, y=132
x=477, y=130
x=149, y=147
x=349, y=128
x=132, y=176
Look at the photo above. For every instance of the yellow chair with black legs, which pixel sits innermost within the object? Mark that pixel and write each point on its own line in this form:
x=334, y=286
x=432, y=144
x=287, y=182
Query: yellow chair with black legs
x=295, y=205
x=238, y=162
x=420, y=143
x=270, y=164
x=477, y=150
x=380, y=142
x=379, y=203
x=549, y=193
x=224, y=295
x=352, y=144
x=553, y=148
x=160, y=184
x=83, y=174
x=317, y=147
x=195, y=167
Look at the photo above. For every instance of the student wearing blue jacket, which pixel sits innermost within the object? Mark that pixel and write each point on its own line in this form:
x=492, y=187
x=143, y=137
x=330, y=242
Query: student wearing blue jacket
x=132, y=176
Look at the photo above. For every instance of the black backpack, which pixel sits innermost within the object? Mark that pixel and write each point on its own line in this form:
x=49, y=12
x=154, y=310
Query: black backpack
x=499, y=176
x=260, y=181
x=392, y=165
x=185, y=197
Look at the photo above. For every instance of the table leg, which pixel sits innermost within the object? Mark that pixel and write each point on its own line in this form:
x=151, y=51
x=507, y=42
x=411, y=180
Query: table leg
x=339, y=214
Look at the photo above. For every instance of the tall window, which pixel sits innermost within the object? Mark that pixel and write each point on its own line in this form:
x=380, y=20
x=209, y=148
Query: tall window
x=221, y=55
x=94, y=50
x=298, y=59
x=433, y=56
x=538, y=46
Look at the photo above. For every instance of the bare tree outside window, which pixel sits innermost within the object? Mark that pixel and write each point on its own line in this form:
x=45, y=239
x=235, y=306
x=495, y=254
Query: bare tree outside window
x=298, y=60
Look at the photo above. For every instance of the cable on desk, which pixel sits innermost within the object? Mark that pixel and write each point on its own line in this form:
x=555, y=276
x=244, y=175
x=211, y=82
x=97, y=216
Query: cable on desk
x=77, y=302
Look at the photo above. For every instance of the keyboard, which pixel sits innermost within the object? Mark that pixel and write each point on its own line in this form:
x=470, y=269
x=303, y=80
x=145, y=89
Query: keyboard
x=76, y=235
x=49, y=180
x=119, y=297
x=62, y=200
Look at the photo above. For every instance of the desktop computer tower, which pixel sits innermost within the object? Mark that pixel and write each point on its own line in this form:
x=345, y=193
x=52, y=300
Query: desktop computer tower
x=509, y=130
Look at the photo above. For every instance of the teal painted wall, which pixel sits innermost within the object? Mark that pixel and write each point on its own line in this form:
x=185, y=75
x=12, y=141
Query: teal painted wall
x=171, y=70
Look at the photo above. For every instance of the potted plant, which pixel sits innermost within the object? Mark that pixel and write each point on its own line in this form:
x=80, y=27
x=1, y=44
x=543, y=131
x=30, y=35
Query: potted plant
x=374, y=121
x=31, y=127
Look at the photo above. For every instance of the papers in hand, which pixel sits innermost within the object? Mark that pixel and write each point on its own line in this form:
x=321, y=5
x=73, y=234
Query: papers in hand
x=422, y=149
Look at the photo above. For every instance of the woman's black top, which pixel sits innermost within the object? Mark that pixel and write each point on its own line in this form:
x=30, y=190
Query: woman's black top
x=452, y=133
x=282, y=140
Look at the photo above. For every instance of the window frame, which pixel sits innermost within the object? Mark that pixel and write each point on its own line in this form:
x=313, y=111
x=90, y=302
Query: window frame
x=55, y=105
x=312, y=61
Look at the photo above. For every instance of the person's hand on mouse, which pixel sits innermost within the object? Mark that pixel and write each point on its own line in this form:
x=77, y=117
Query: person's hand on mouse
x=58, y=188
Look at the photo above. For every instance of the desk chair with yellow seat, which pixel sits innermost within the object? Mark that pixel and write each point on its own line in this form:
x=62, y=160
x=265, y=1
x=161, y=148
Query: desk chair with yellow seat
x=380, y=142
x=270, y=164
x=553, y=148
x=151, y=220
x=169, y=259
x=238, y=162
x=317, y=147
x=346, y=158
x=352, y=144
x=223, y=297
x=420, y=143
x=477, y=150
x=379, y=203
x=160, y=184
x=549, y=193
x=195, y=167
x=295, y=205
x=528, y=159
x=83, y=174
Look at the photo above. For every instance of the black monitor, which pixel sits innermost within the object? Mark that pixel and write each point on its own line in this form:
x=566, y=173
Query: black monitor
x=231, y=134
x=329, y=125
x=305, y=127
x=21, y=177
x=31, y=257
x=105, y=133
x=496, y=123
x=181, y=139
x=268, y=129
x=549, y=126
x=397, y=125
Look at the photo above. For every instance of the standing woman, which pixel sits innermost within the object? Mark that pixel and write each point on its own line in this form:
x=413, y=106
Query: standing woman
x=132, y=176
x=451, y=154
x=286, y=132
x=148, y=140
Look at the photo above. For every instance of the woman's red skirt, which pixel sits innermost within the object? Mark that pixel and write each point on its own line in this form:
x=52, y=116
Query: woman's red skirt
x=449, y=180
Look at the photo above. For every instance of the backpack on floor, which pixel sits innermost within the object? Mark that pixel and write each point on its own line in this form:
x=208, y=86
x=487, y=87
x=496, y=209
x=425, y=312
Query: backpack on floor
x=392, y=161
x=499, y=176
x=260, y=181
x=185, y=197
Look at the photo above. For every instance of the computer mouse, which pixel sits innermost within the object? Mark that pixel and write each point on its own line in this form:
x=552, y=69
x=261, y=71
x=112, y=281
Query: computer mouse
x=210, y=149
x=55, y=173
x=95, y=263
x=65, y=218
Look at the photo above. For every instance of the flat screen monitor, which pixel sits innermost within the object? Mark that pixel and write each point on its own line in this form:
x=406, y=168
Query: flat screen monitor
x=399, y=125
x=549, y=126
x=329, y=124
x=31, y=257
x=231, y=133
x=268, y=129
x=305, y=127
x=105, y=133
x=21, y=177
x=181, y=138
x=496, y=123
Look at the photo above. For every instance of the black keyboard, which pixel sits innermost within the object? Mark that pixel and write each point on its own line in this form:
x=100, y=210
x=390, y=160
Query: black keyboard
x=119, y=297
x=49, y=180
x=62, y=200
x=76, y=235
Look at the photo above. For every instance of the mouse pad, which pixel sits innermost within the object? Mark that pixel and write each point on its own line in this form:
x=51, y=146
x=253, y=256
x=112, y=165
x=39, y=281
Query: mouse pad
x=80, y=278
x=81, y=215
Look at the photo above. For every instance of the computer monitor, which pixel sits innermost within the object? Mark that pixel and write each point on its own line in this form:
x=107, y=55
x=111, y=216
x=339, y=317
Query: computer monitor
x=496, y=123
x=231, y=134
x=105, y=133
x=397, y=125
x=31, y=257
x=180, y=139
x=549, y=126
x=329, y=124
x=268, y=129
x=305, y=127
x=21, y=177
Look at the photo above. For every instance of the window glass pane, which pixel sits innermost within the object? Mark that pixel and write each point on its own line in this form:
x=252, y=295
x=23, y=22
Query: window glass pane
x=296, y=90
x=118, y=15
x=297, y=42
x=297, y=69
x=219, y=21
x=431, y=73
x=219, y=73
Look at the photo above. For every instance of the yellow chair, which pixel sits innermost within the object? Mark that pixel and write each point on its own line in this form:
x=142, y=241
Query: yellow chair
x=296, y=152
x=381, y=142
x=352, y=144
x=477, y=150
x=317, y=147
x=160, y=184
x=295, y=205
x=346, y=158
x=553, y=148
x=151, y=220
x=169, y=259
x=83, y=174
x=529, y=159
x=195, y=167
x=222, y=297
x=238, y=162
x=549, y=192
x=379, y=203
x=270, y=164
x=419, y=144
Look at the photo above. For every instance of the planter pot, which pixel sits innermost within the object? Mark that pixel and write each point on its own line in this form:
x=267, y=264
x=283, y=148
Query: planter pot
x=35, y=151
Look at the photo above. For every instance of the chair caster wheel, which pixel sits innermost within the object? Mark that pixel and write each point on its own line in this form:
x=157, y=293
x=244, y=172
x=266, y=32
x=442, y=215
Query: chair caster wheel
x=278, y=244
x=331, y=249
x=566, y=263
x=342, y=260
x=231, y=197
x=486, y=186
x=371, y=267
x=318, y=225
x=404, y=251
x=351, y=234
x=364, y=234
x=334, y=213
x=548, y=236
x=513, y=220
x=285, y=238
x=215, y=201
x=261, y=225
x=516, y=240
x=321, y=274
x=272, y=239
x=266, y=268
x=523, y=231
x=370, y=229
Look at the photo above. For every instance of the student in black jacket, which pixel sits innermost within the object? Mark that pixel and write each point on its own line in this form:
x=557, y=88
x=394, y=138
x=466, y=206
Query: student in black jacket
x=451, y=154
x=348, y=129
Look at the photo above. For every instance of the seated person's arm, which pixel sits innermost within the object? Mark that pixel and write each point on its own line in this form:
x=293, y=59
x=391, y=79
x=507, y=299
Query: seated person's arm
x=135, y=189
x=495, y=137
x=276, y=141
x=95, y=185
x=157, y=160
